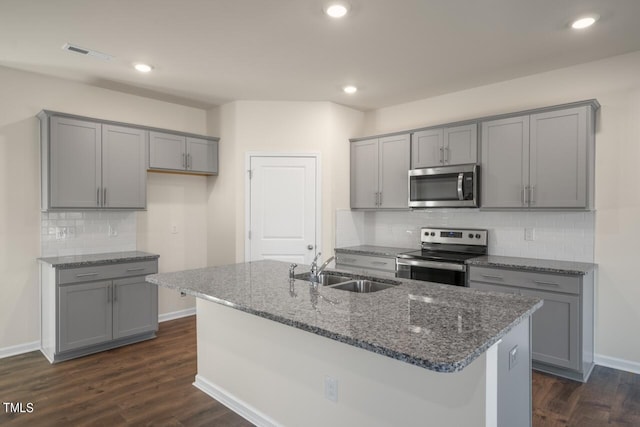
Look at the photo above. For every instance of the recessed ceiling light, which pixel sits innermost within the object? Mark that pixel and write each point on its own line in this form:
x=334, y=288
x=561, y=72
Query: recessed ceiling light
x=336, y=10
x=584, y=22
x=350, y=89
x=143, y=68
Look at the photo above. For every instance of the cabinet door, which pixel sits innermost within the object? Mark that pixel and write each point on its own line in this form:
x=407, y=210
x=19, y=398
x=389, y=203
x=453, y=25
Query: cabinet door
x=84, y=315
x=202, y=155
x=461, y=144
x=124, y=172
x=394, y=172
x=555, y=328
x=75, y=163
x=135, y=307
x=505, y=163
x=167, y=151
x=364, y=174
x=427, y=149
x=558, y=159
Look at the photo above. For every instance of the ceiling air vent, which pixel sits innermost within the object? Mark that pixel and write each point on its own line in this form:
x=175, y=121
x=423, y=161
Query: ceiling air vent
x=87, y=52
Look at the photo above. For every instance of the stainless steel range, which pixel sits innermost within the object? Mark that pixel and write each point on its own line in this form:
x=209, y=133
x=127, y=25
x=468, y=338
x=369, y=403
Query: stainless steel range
x=443, y=255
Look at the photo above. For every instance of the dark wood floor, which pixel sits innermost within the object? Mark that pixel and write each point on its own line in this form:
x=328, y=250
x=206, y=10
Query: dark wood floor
x=150, y=383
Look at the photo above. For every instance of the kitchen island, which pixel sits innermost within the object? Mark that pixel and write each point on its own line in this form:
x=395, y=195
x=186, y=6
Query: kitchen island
x=285, y=352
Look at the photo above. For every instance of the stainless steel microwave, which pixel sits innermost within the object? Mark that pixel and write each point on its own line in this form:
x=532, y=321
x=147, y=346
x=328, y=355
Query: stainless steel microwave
x=444, y=187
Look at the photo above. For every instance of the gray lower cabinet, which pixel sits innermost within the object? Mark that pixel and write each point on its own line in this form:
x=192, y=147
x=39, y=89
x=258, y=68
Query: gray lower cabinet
x=562, y=330
x=454, y=145
x=379, y=172
x=90, y=165
x=539, y=161
x=91, y=309
x=366, y=264
x=174, y=152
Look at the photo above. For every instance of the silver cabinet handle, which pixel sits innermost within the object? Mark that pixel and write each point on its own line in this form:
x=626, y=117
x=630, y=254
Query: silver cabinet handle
x=532, y=199
x=379, y=263
x=189, y=161
x=486, y=276
x=109, y=294
x=98, y=196
x=347, y=259
x=135, y=269
x=380, y=199
x=115, y=293
x=446, y=154
x=104, y=197
x=377, y=202
x=525, y=195
x=441, y=155
x=184, y=160
x=86, y=274
x=539, y=282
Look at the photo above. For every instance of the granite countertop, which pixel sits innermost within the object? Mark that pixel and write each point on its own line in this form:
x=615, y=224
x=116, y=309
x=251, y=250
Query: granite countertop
x=384, y=251
x=72, y=261
x=534, y=264
x=438, y=327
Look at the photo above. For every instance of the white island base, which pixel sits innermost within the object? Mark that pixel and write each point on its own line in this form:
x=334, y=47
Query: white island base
x=274, y=375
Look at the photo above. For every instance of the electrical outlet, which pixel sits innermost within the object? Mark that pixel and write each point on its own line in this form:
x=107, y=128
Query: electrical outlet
x=331, y=389
x=529, y=234
x=174, y=229
x=61, y=233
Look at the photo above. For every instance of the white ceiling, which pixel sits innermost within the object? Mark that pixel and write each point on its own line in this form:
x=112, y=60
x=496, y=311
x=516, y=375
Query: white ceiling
x=207, y=52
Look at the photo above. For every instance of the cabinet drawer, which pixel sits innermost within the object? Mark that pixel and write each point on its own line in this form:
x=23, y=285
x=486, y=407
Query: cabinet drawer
x=366, y=261
x=539, y=281
x=102, y=272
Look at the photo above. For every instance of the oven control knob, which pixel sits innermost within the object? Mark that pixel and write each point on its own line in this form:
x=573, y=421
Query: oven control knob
x=470, y=235
x=477, y=236
x=426, y=233
x=433, y=234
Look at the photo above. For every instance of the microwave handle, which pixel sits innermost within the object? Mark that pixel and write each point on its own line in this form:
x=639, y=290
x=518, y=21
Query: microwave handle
x=460, y=179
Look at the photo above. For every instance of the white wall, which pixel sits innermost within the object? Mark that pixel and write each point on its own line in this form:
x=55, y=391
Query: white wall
x=22, y=96
x=615, y=83
x=281, y=126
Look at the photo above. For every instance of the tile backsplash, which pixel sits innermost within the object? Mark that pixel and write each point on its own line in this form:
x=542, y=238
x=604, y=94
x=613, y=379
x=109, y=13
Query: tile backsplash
x=566, y=236
x=77, y=233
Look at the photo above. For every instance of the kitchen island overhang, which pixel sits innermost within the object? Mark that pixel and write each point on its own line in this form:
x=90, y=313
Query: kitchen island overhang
x=267, y=346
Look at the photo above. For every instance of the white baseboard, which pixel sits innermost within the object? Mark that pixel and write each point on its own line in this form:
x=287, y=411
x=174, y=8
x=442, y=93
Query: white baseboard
x=177, y=314
x=236, y=405
x=19, y=349
x=615, y=363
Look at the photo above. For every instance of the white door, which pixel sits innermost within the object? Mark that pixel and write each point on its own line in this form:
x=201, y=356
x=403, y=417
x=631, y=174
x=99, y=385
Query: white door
x=283, y=209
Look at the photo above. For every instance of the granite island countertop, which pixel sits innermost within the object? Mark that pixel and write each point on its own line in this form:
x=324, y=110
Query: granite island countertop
x=438, y=327
x=73, y=261
x=382, y=251
x=533, y=264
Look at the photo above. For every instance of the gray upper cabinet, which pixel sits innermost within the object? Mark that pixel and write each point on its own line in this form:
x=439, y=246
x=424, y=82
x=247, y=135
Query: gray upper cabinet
x=73, y=163
x=504, y=162
x=427, y=148
x=558, y=159
x=202, y=155
x=90, y=165
x=174, y=152
x=124, y=171
x=542, y=160
x=455, y=145
x=379, y=172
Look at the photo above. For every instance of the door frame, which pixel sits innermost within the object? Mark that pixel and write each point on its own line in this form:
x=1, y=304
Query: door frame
x=247, y=194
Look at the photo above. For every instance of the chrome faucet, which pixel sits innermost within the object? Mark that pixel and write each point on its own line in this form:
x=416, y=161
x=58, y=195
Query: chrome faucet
x=315, y=270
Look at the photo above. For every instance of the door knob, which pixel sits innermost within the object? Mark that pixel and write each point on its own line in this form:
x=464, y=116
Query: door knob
x=310, y=247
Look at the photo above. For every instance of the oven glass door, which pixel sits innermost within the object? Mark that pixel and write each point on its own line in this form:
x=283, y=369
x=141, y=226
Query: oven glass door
x=437, y=272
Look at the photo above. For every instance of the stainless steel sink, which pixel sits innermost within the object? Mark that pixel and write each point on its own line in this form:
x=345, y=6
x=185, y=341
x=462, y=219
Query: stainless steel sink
x=362, y=286
x=325, y=279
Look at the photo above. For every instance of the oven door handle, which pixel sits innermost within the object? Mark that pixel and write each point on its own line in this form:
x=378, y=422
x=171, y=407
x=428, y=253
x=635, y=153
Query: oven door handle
x=460, y=178
x=431, y=264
